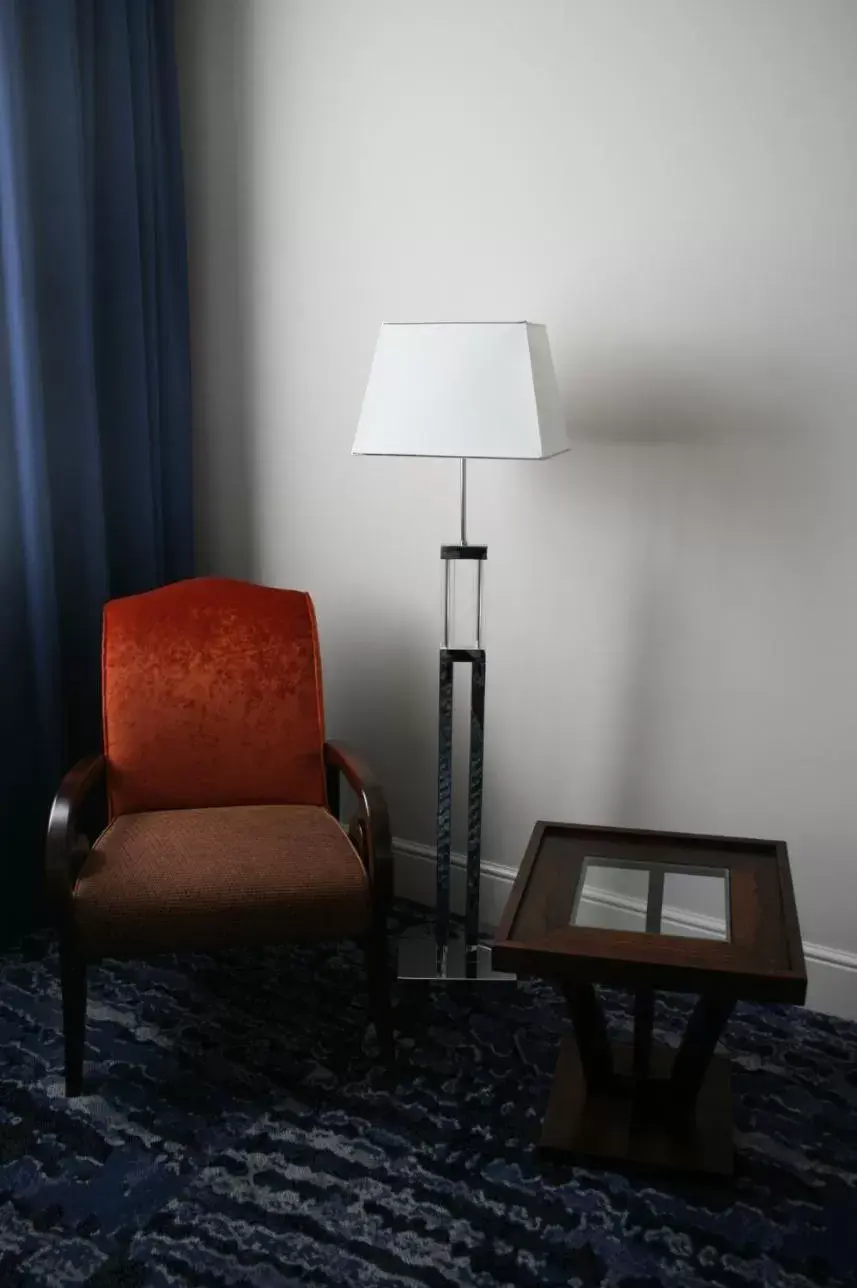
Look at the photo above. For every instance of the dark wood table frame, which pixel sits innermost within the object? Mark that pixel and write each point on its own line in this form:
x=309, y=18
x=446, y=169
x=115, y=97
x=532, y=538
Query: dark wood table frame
x=639, y=1102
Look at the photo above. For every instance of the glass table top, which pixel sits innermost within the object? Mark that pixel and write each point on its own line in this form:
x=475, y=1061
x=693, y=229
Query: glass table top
x=646, y=898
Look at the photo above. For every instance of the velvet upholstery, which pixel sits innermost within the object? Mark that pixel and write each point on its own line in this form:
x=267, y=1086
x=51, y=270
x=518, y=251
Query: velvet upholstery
x=172, y=880
x=212, y=697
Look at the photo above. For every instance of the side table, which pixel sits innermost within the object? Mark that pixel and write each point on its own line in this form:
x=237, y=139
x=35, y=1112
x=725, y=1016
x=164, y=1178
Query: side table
x=639, y=1102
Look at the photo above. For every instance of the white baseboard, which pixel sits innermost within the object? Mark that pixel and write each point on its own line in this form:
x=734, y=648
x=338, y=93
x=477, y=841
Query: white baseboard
x=832, y=972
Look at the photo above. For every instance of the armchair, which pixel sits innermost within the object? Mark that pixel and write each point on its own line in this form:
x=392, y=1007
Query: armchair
x=210, y=819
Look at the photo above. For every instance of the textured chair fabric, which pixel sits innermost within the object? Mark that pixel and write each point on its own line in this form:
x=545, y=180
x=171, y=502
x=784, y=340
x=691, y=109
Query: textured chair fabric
x=169, y=880
x=212, y=697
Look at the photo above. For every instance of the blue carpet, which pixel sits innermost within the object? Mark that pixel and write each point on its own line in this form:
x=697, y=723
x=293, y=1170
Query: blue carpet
x=238, y=1128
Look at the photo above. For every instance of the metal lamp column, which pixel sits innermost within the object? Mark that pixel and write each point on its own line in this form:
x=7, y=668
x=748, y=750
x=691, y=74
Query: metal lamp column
x=454, y=958
x=443, y=955
x=475, y=657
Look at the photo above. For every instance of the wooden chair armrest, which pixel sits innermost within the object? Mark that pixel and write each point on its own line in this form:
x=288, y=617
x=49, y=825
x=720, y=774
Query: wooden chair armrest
x=67, y=846
x=373, y=822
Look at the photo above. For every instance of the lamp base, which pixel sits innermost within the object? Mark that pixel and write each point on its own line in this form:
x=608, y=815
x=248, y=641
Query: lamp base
x=418, y=959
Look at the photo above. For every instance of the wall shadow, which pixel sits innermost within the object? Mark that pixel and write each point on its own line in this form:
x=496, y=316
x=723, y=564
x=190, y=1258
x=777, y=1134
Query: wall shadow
x=633, y=400
x=213, y=52
x=730, y=469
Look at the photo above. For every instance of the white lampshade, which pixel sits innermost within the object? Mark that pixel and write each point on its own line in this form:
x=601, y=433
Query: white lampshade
x=462, y=389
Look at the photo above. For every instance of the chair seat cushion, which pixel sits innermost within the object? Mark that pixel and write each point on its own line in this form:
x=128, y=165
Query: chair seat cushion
x=224, y=877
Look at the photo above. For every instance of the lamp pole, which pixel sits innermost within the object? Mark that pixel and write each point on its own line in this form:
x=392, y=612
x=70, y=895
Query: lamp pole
x=464, y=500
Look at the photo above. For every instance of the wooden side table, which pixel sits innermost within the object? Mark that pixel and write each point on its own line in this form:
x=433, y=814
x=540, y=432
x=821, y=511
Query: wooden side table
x=640, y=1102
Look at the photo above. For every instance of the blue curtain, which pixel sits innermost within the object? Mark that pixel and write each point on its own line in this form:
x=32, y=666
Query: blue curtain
x=95, y=441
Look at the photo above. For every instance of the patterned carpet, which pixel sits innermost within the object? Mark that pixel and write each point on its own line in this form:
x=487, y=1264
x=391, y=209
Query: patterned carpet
x=238, y=1128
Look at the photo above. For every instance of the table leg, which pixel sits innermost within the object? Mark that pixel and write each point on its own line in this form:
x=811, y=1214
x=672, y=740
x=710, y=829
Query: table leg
x=590, y=1031
x=644, y=1018
x=708, y=1020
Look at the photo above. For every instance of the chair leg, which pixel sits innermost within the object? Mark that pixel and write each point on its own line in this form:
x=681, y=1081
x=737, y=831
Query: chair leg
x=73, y=979
x=378, y=971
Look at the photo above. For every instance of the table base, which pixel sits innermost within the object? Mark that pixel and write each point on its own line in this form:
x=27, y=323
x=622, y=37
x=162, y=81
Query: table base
x=636, y=1124
x=463, y=962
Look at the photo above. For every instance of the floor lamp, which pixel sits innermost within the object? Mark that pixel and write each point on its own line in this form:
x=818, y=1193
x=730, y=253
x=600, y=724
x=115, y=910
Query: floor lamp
x=466, y=390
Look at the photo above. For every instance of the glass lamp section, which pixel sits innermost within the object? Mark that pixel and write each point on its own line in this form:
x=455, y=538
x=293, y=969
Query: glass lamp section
x=463, y=596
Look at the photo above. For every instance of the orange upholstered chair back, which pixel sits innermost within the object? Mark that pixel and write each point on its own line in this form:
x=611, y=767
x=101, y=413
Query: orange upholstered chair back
x=212, y=696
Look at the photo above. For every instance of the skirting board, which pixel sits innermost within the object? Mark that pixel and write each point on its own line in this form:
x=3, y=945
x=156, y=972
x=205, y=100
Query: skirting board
x=832, y=972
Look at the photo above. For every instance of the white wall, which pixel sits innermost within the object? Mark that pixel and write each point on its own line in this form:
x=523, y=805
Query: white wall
x=672, y=188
